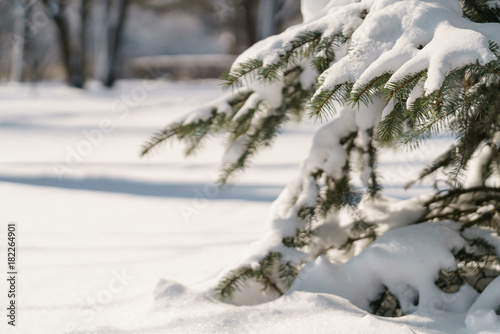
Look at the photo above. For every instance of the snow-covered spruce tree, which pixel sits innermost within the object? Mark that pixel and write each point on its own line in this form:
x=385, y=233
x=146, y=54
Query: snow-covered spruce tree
x=379, y=73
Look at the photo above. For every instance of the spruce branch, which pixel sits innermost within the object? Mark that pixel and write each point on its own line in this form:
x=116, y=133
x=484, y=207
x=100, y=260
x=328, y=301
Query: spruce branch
x=260, y=136
x=482, y=218
x=386, y=305
x=301, y=239
x=193, y=133
x=392, y=126
x=159, y=137
x=366, y=92
x=235, y=75
x=465, y=206
x=325, y=51
x=442, y=161
x=271, y=273
x=455, y=193
x=297, y=49
x=323, y=103
x=338, y=193
x=479, y=264
x=269, y=269
x=374, y=187
x=360, y=230
x=287, y=274
x=401, y=89
x=261, y=133
x=233, y=281
x=479, y=11
x=450, y=281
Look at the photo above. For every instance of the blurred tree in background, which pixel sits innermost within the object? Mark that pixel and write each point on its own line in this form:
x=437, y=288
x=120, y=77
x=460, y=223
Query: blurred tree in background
x=78, y=40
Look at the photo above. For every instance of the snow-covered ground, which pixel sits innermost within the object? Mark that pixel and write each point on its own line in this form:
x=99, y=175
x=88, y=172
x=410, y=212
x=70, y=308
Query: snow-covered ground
x=100, y=229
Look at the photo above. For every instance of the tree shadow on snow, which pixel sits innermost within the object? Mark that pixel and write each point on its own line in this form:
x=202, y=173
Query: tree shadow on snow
x=254, y=192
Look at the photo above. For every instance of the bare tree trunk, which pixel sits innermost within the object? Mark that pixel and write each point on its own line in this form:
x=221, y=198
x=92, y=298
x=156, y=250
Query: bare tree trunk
x=251, y=12
x=63, y=29
x=267, y=22
x=113, y=63
x=28, y=56
x=84, y=17
x=68, y=51
x=101, y=39
x=18, y=41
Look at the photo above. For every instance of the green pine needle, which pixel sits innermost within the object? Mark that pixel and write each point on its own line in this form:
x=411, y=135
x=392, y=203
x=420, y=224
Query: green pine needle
x=234, y=76
x=324, y=103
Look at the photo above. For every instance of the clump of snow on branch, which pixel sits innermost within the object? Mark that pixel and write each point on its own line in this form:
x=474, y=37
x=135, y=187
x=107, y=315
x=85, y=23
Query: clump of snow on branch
x=396, y=36
x=418, y=252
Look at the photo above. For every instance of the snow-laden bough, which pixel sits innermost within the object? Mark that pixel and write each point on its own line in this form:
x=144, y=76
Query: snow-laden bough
x=382, y=73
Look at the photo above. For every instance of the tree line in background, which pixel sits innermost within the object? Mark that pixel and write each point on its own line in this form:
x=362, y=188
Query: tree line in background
x=85, y=36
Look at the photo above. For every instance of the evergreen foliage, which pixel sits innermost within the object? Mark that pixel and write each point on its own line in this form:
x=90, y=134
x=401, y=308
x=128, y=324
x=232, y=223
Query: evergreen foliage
x=466, y=105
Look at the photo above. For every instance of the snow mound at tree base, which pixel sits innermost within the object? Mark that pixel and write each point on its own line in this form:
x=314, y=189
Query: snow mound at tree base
x=331, y=297
x=180, y=309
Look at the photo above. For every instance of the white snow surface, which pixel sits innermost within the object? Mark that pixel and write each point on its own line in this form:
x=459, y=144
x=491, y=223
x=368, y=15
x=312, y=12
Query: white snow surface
x=111, y=243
